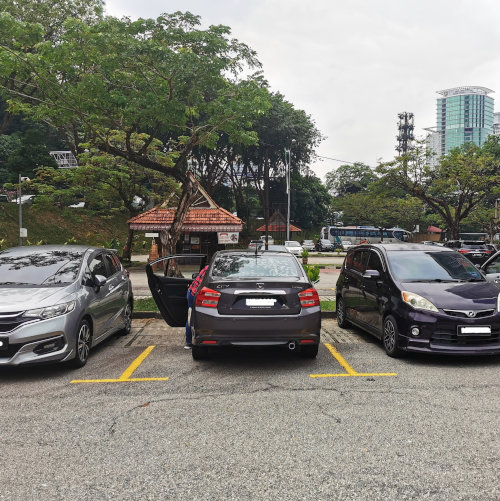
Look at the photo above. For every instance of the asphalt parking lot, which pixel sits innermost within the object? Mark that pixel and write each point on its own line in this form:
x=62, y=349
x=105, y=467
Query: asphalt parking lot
x=142, y=420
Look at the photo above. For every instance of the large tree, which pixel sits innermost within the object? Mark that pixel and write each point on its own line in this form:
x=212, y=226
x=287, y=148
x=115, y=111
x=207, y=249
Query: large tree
x=148, y=91
x=453, y=189
x=349, y=179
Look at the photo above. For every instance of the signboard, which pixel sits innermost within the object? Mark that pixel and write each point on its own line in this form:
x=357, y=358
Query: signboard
x=228, y=237
x=195, y=240
x=23, y=232
x=151, y=235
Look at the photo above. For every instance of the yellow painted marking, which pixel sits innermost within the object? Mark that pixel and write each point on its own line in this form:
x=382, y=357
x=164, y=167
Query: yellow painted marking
x=138, y=361
x=350, y=372
x=125, y=377
x=340, y=359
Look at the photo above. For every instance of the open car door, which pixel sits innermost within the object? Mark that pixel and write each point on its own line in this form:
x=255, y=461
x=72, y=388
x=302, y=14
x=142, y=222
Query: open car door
x=169, y=278
x=491, y=269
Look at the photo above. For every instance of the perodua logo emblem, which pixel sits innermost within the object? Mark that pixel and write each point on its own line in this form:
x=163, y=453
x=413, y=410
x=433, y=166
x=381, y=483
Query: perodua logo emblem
x=260, y=285
x=471, y=314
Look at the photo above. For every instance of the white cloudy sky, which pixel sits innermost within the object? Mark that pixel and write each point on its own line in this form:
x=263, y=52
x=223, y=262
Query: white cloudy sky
x=353, y=65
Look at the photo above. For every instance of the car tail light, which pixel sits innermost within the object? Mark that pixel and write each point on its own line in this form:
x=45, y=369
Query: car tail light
x=463, y=251
x=309, y=297
x=207, y=297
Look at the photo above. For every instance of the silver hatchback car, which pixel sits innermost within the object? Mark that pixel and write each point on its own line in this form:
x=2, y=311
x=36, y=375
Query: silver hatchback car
x=57, y=302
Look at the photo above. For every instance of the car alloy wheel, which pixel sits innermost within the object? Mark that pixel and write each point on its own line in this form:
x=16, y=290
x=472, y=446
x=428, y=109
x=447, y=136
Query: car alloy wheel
x=341, y=317
x=83, y=341
x=390, y=337
x=127, y=320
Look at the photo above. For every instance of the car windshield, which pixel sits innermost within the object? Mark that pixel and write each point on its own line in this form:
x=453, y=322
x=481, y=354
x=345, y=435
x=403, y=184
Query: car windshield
x=418, y=266
x=229, y=266
x=292, y=244
x=40, y=268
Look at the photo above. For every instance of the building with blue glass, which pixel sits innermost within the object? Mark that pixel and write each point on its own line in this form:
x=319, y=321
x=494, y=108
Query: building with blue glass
x=463, y=115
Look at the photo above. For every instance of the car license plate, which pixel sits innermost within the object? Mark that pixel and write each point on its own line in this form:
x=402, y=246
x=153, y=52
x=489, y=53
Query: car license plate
x=477, y=255
x=4, y=344
x=260, y=301
x=476, y=330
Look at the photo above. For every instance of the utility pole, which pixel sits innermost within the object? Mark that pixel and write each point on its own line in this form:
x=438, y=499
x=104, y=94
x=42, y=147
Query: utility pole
x=288, y=188
x=20, y=213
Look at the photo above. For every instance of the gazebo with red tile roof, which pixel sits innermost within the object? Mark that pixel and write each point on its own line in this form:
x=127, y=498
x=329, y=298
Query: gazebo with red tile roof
x=205, y=225
x=277, y=223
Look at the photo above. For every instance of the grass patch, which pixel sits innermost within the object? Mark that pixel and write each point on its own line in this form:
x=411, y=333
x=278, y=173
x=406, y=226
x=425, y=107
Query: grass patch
x=145, y=304
x=328, y=305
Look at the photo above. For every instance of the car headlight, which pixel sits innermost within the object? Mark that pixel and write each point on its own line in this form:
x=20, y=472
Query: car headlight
x=51, y=311
x=418, y=302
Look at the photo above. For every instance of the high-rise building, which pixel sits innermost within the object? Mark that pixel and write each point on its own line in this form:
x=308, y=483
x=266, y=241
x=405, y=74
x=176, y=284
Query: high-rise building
x=496, y=124
x=464, y=115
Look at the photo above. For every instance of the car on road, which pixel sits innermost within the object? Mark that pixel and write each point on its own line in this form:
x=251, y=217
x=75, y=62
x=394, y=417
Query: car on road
x=59, y=301
x=426, y=299
x=475, y=250
x=270, y=239
x=256, y=244
x=324, y=245
x=308, y=245
x=346, y=245
x=293, y=247
x=246, y=298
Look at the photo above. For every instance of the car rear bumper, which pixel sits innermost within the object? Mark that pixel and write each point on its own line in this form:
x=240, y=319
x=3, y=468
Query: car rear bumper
x=208, y=325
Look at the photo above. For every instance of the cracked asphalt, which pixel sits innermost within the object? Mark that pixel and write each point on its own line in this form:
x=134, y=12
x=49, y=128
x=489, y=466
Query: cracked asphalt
x=251, y=424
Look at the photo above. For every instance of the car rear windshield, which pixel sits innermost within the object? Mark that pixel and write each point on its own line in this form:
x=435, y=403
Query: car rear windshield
x=433, y=266
x=473, y=245
x=39, y=268
x=232, y=266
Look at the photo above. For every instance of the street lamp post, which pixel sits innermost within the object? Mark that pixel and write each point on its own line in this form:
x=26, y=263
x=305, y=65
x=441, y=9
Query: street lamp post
x=20, y=213
x=288, y=189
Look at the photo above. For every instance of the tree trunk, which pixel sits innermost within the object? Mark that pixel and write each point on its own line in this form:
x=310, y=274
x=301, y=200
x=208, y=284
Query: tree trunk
x=170, y=238
x=127, y=251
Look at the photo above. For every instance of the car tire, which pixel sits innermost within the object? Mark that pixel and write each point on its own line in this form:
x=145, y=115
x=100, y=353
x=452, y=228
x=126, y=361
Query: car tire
x=390, y=337
x=82, y=345
x=341, y=314
x=309, y=351
x=127, y=317
x=199, y=352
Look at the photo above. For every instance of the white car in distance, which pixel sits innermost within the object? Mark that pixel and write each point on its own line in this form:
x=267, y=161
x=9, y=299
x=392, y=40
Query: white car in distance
x=293, y=247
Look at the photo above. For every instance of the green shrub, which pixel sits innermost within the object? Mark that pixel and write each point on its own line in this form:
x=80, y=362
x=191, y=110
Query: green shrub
x=312, y=271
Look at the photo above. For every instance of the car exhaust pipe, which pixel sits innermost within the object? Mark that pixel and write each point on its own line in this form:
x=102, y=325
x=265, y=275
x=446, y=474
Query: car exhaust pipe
x=291, y=345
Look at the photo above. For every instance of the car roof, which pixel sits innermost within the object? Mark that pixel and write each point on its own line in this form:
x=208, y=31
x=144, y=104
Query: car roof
x=251, y=252
x=33, y=248
x=403, y=247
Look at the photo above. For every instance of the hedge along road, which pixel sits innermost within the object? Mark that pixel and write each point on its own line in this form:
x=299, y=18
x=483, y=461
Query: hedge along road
x=251, y=424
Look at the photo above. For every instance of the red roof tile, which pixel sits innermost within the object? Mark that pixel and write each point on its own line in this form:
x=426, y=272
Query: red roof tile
x=277, y=227
x=197, y=219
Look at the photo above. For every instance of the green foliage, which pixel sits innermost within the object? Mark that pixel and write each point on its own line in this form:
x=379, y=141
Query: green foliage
x=305, y=253
x=312, y=271
x=350, y=179
x=454, y=189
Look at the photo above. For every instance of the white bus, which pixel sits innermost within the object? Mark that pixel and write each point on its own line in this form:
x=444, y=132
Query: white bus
x=364, y=234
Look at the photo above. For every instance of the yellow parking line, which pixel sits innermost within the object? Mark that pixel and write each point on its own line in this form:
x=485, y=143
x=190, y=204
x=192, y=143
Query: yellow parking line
x=138, y=361
x=350, y=372
x=125, y=377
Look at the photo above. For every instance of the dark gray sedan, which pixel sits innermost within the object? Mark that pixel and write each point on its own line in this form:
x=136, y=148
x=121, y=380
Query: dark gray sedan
x=57, y=302
x=247, y=298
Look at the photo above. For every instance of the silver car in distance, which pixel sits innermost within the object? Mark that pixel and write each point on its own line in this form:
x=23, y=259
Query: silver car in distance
x=57, y=302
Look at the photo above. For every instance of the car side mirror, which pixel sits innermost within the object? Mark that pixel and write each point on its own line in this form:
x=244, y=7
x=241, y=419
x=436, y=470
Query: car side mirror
x=99, y=280
x=371, y=274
